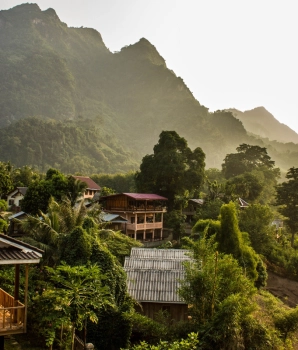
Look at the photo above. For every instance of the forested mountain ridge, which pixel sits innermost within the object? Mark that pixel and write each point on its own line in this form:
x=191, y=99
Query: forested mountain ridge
x=49, y=70
x=261, y=122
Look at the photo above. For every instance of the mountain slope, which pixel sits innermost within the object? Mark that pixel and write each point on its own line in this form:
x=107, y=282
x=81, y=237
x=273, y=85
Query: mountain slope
x=260, y=122
x=67, y=75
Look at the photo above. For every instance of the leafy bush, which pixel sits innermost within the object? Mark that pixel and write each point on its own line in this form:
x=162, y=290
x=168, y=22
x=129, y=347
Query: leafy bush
x=190, y=343
x=3, y=205
x=3, y=225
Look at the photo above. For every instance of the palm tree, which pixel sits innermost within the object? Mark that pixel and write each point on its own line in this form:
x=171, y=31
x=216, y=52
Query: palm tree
x=46, y=230
x=76, y=189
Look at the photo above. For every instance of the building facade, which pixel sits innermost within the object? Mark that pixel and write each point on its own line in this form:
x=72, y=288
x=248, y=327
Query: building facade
x=143, y=212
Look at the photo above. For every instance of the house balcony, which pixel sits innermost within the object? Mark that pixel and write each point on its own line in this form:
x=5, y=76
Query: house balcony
x=144, y=226
x=12, y=315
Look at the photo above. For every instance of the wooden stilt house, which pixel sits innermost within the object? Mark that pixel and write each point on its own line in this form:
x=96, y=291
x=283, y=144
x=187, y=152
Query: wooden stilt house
x=13, y=312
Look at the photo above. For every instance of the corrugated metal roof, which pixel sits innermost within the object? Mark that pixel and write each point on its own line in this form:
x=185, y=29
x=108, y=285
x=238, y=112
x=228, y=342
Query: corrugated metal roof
x=154, y=275
x=113, y=218
x=181, y=254
x=155, y=285
x=154, y=264
x=13, y=251
x=145, y=196
x=7, y=255
x=16, y=215
x=90, y=183
x=197, y=201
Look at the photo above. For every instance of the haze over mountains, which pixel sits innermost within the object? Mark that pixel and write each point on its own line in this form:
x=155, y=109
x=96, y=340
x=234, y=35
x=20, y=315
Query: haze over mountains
x=67, y=101
x=260, y=122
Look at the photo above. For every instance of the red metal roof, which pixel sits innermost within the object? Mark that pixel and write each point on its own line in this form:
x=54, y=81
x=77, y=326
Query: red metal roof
x=145, y=196
x=90, y=183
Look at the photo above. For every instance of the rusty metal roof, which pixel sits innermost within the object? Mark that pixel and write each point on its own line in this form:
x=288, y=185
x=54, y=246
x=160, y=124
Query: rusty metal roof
x=92, y=185
x=145, y=196
x=13, y=251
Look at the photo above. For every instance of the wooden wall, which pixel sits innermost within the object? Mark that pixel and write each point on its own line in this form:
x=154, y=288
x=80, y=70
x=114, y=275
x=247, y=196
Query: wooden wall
x=178, y=312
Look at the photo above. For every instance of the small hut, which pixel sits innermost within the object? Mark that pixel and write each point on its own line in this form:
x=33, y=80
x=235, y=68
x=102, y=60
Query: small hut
x=153, y=279
x=13, y=312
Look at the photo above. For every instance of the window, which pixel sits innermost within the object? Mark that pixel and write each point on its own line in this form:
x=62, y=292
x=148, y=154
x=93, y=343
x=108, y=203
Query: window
x=140, y=219
x=11, y=202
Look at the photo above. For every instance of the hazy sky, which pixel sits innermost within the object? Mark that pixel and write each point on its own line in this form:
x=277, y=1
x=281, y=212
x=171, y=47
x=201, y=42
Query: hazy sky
x=230, y=53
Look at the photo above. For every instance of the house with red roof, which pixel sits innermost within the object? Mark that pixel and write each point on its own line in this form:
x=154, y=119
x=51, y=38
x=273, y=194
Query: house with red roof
x=92, y=187
x=143, y=212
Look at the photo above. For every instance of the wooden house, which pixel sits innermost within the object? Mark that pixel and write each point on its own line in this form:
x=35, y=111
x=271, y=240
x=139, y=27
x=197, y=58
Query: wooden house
x=143, y=212
x=153, y=279
x=92, y=187
x=13, y=312
x=15, y=197
x=15, y=229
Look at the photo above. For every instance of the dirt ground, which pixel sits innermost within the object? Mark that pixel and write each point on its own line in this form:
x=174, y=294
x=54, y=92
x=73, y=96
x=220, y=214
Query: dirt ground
x=283, y=288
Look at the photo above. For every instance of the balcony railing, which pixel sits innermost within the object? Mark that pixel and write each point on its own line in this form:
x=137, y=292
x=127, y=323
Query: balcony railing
x=149, y=208
x=12, y=314
x=144, y=226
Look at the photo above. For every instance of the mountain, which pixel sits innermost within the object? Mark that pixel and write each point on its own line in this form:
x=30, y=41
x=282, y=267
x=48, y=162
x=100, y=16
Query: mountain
x=103, y=111
x=260, y=122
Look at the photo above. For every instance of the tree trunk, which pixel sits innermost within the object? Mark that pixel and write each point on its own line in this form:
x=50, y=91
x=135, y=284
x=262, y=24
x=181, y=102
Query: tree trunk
x=292, y=239
x=72, y=337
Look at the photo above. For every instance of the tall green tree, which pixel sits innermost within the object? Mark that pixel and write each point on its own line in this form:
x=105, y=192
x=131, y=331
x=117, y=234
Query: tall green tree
x=46, y=230
x=251, y=174
x=24, y=176
x=172, y=169
x=248, y=158
x=230, y=241
x=5, y=178
x=287, y=200
x=55, y=185
x=219, y=294
x=256, y=220
x=246, y=185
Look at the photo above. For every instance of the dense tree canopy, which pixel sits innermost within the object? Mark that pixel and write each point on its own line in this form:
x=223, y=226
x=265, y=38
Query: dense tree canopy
x=5, y=178
x=172, y=169
x=247, y=159
x=287, y=199
x=251, y=174
x=246, y=185
x=55, y=185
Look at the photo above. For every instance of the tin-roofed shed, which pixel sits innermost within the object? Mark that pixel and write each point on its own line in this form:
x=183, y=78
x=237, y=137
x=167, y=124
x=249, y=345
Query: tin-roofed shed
x=153, y=279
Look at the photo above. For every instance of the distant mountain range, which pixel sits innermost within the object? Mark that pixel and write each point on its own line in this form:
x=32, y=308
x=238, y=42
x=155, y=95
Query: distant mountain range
x=67, y=101
x=259, y=121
